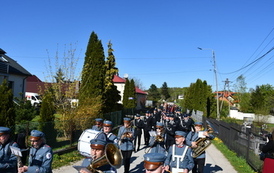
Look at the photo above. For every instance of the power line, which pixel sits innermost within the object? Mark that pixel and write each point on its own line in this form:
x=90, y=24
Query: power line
x=251, y=62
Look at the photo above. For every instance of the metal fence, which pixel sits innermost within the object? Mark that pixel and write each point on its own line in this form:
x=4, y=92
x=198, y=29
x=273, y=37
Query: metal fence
x=244, y=141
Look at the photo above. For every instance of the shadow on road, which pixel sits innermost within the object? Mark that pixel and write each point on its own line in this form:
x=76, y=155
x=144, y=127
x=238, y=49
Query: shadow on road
x=138, y=168
x=210, y=169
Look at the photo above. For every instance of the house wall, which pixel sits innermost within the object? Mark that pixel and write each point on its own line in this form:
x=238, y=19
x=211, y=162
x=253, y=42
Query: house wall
x=19, y=86
x=141, y=101
x=240, y=115
x=121, y=88
x=1, y=79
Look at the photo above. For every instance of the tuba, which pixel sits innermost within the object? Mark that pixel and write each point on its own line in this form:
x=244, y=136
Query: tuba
x=112, y=156
x=202, y=143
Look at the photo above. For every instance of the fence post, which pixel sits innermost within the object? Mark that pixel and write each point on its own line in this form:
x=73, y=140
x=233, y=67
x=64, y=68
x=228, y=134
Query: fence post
x=248, y=145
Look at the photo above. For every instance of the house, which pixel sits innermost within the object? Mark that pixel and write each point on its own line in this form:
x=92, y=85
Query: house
x=140, y=95
x=227, y=96
x=34, y=84
x=14, y=73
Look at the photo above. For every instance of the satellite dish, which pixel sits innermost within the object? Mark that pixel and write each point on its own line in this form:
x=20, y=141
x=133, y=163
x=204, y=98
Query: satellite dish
x=125, y=75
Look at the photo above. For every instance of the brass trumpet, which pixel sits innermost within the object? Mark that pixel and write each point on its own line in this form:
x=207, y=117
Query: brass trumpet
x=112, y=156
x=159, y=138
x=127, y=135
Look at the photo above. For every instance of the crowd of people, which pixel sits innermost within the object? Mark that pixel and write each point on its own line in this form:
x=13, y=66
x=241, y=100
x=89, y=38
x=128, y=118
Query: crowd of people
x=169, y=139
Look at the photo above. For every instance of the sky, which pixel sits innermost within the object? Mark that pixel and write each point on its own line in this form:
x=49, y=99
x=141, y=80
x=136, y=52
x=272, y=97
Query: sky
x=154, y=41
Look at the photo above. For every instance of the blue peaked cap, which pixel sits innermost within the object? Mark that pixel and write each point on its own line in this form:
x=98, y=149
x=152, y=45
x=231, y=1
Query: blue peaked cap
x=4, y=130
x=180, y=133
x=154, y=157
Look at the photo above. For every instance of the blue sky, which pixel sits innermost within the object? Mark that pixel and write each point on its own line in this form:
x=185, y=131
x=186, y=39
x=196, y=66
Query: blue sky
x=155, y=41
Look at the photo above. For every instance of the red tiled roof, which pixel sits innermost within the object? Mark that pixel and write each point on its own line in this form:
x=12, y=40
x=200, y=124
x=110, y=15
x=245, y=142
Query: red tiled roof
x=33, y=78
x=139, y=91
x=34, y=84
x=117, y=79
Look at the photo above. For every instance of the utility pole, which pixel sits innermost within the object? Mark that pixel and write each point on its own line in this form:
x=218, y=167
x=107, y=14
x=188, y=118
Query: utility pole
x=215, y=73
x=226, y=91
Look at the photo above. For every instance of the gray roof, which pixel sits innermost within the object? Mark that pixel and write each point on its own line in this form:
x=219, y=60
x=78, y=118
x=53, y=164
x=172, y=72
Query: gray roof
x=14, y=67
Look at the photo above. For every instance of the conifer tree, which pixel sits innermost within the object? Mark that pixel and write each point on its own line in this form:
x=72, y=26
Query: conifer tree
x=112, y=95
x=7, y=110
x=126, y=94
x=153, y=93
x=93, y=74
x=132, y=94
x=60, y=78
x=164, y=91
x=199, y=97
x=47, y=116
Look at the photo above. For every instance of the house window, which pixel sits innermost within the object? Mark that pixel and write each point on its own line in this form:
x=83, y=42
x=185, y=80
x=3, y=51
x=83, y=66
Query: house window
x=11, y=84
x=3, y=67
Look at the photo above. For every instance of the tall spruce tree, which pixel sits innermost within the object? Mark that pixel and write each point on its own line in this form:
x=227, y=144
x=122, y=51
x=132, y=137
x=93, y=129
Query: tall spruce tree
x=112, y=95
x=126, y=94
x=7, y=109
x=93, y=74
x=132, y=94
x=164, y=91
x=199, y=97
x=153, y=93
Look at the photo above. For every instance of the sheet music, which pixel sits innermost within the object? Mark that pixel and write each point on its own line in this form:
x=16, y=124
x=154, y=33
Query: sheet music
x=16, y=151
x=201, y=135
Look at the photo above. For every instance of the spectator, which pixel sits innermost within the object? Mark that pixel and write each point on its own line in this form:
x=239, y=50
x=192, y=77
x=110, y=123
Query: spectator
x=268, y=150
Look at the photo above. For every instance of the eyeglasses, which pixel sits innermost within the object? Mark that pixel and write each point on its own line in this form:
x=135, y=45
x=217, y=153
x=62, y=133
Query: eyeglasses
x=33, y=140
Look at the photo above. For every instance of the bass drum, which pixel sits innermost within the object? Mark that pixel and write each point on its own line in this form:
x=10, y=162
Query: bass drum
x=84, y=141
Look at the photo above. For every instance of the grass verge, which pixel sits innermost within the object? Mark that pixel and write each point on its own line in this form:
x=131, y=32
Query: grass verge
x=238, y=163
x=65, y=159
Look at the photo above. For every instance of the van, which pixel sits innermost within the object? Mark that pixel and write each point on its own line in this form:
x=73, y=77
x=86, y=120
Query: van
x=34, y=98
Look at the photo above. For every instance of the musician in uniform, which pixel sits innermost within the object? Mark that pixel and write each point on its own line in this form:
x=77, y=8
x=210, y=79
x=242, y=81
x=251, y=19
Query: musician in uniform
x=40, y=155
x=186, y=123
x=157, y=142
x=171, y=127
x=192, y=137
x=157, y=114
x=97, y=151
x=147, y=127
x=138, y=125
x=7, y=159
x=107, y=128
x=179, y=157
x=98, y=124
x=154, y=162
x=125, y=137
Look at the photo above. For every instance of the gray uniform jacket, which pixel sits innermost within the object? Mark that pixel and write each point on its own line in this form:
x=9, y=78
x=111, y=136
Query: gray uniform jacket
x=40, y=159
x=8, y=161
x=126, y=143
x=185, y=163
x=157, y=147
x=96, y=128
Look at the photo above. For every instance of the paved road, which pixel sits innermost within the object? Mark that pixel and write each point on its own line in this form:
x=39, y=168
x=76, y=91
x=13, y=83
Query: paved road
x=215, y=162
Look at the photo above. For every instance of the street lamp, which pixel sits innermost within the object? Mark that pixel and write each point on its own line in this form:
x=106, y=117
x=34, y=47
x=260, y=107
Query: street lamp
x=215, y=72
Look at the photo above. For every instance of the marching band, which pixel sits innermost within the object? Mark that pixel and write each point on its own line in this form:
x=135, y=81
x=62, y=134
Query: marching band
x=170, y=139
